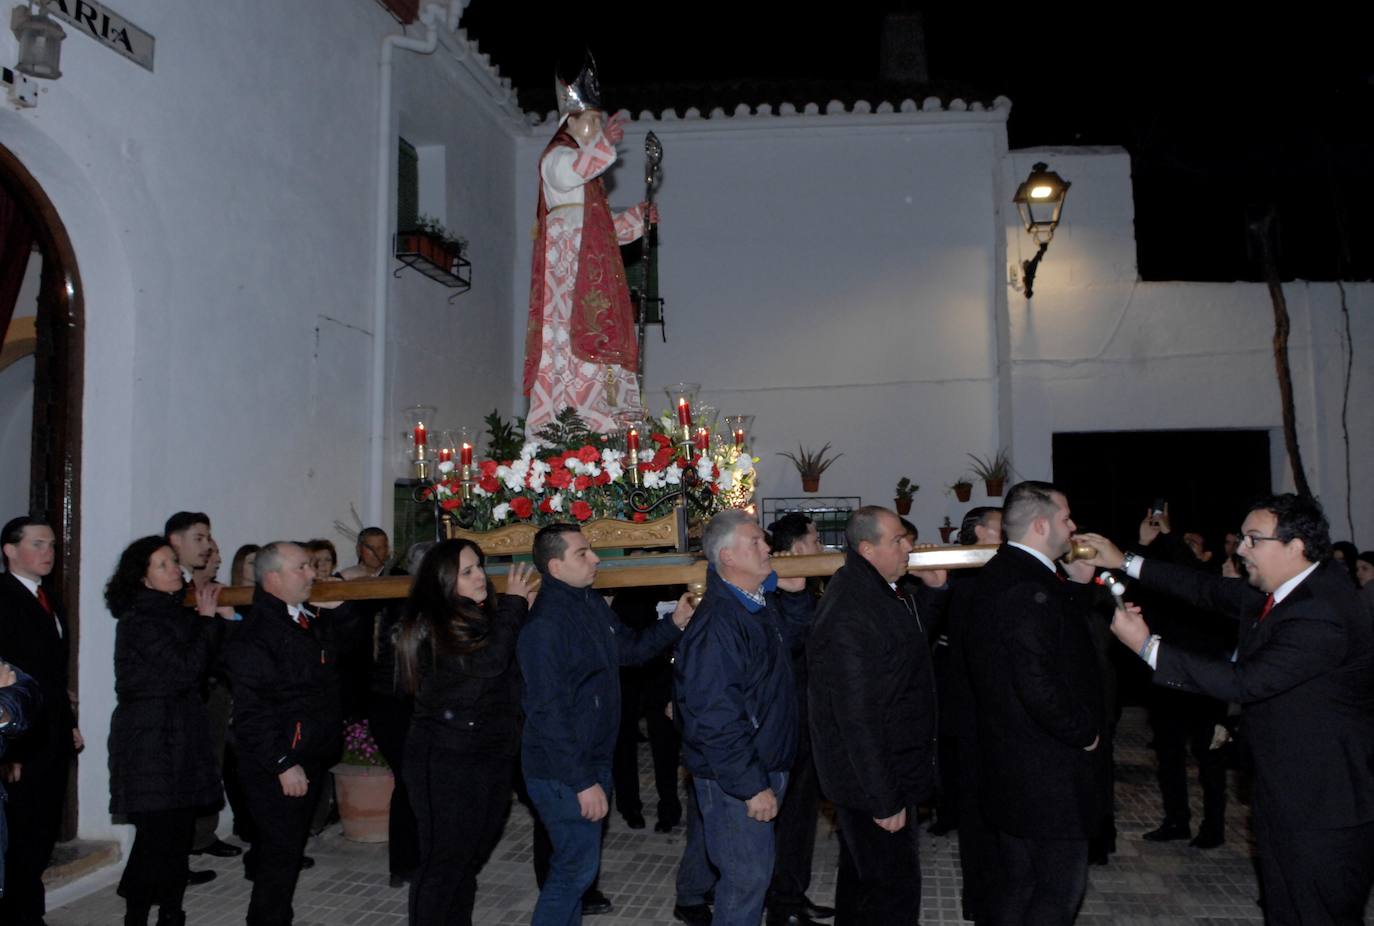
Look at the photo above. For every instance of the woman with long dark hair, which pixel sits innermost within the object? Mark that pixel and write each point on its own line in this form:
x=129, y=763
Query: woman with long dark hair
x=162, y=767
x=455, y=652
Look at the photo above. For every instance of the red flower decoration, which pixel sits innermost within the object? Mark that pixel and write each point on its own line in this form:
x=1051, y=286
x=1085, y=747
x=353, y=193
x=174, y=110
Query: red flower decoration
x=449, y=504
x=581, y=510
x=560, y=478
x=489, y=467
x=662, y=440
x=589, y=454
x=522, y=507
x=639, y=516
x=489, y=484
x=581, y=483
x=602, y=479
x=545, y=506
x=663, y=458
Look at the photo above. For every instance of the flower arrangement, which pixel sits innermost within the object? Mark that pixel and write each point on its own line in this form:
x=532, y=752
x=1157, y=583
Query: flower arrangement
x=565, y=471
x=359, y=746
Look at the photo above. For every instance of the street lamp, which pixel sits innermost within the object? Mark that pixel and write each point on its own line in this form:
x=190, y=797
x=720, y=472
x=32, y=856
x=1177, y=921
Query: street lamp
x=40, y=42
x=1039, y=200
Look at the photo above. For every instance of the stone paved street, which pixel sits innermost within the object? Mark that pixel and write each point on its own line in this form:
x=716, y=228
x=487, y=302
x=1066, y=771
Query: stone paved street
x=1157, y=884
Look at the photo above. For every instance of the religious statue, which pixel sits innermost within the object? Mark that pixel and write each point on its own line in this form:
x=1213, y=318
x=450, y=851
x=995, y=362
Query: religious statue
x=581, y=346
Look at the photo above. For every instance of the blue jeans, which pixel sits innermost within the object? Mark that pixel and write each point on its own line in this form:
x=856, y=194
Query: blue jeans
x=741, y=848
x=695, y=876
x=576, y=849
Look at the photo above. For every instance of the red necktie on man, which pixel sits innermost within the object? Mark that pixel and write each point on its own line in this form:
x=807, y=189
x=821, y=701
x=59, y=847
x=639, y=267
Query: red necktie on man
x=1268, y=606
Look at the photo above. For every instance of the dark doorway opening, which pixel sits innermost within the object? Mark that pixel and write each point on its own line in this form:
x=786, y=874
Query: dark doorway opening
x=1209, y=478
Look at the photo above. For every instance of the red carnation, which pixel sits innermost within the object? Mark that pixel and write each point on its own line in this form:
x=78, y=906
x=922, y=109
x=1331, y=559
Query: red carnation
x=581, y=483
x=489, y=467
x=662, y=439
x=581, y=510
x=545, y=506
x=560, y=478
x=489, y=484
x=639, y=516
x=663, y=458
x=522, y=507
x=449, y=504
x=602, y=479
x=589, y=454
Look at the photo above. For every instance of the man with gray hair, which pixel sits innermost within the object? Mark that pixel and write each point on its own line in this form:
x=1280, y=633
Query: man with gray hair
x=737, y=702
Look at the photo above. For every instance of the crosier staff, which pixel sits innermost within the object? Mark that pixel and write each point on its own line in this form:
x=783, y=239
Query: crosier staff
x=653, y=156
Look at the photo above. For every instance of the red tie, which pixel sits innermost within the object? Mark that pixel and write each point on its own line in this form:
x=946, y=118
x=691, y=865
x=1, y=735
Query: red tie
x=43, y=601
x=1268, y=606
x=303, y=618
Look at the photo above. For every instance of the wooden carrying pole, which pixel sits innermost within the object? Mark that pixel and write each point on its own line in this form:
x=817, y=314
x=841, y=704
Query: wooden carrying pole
x=637, y=571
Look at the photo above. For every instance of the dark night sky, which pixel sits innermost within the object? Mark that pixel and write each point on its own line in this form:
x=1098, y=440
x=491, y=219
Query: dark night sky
x=1221, y=116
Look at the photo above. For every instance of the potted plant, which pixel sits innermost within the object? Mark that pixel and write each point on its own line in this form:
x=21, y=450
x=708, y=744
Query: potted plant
x=947, y=529
x=962, y=488
x=363, y=785
x=432, y=241
x=905, y=490
x=810, y=465
x=994, y=471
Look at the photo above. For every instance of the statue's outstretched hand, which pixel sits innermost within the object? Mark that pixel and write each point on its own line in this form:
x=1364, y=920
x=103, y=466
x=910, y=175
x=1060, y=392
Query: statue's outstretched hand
x=614, y=129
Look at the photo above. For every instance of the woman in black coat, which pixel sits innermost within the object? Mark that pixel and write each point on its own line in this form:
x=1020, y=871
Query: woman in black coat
x=162, y=768
x=455, y=652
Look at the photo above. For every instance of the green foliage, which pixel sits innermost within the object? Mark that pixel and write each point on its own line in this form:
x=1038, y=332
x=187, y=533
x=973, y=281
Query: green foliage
x=906, y=488
x=811, y=464
x=504, y=438
x=995, y=467
x=567, y=430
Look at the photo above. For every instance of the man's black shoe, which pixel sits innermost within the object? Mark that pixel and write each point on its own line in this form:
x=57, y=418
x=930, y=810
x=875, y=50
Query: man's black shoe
x=634, y=821
x=790, y=918
x=816, y=911
x=1168, y=831
x=665, y=826
x=1208, y=838
x=595, y=902
x=204, y=876
x=694, y=914
x=219, y=849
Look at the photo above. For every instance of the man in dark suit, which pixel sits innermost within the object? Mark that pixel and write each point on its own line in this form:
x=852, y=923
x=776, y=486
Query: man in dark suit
x=1039, y=712
x=287, y=719
x=873, y=720
x=1304, y=677
x=33, y=636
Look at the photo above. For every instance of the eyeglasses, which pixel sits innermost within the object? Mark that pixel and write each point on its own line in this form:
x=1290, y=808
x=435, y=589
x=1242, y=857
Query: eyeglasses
x=1249, y=540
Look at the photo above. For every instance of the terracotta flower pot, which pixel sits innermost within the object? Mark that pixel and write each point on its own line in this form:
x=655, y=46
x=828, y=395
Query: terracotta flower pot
x=811, y=483
x=903, y=505
x=364, y=795
x=994, y=487
x=962, y=491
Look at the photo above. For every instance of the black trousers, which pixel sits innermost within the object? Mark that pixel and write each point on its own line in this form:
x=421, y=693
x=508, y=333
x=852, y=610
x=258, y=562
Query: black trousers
x=794, y=832
x=461, y=801
x=879, y=881
x=219, y=704
x=1043, y=880
x=644, y=692
x=389, y=720
x=1313, y=877
x=1182, y=721
x=281, y=825
x=978, y=862
x=33, y=813
x=155, y=875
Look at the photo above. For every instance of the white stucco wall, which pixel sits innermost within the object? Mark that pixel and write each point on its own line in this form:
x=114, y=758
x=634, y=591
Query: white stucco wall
x=1096, y=349
x=222, y=214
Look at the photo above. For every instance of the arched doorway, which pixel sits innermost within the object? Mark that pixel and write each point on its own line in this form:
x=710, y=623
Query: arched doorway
x=55, y=336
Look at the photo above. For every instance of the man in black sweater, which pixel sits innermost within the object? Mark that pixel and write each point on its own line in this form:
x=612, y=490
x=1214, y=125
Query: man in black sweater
x=873, y=719
x=287, y=720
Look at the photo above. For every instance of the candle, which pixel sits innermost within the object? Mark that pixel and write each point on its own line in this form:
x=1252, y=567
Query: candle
x=703, y=439
x=739, y=438
x=684, y=412
x=445, y=454
x=632, y=440
x=467, y=455
x=420, y=438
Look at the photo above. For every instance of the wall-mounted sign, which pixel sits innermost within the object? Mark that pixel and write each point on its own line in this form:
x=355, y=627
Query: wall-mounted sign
x=107, y=27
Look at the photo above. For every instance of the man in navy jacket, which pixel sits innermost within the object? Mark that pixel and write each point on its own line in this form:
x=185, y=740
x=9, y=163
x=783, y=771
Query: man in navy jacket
x=20, y=701
x=1304, y=677
x=570, y=655
x=738, y=704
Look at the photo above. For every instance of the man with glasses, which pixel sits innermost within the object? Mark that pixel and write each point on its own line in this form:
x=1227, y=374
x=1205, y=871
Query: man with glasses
x=1304, y=676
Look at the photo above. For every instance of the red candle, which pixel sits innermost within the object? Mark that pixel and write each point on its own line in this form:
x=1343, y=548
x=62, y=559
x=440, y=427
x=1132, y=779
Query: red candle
x=684, y=412
x=632, y=441
x=420, y=438
x=467, y=455
x=703, y=439
x=445, y=454
x=739, y=438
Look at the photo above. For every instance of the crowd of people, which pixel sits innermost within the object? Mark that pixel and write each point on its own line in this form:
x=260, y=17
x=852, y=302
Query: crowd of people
x=989, y=695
